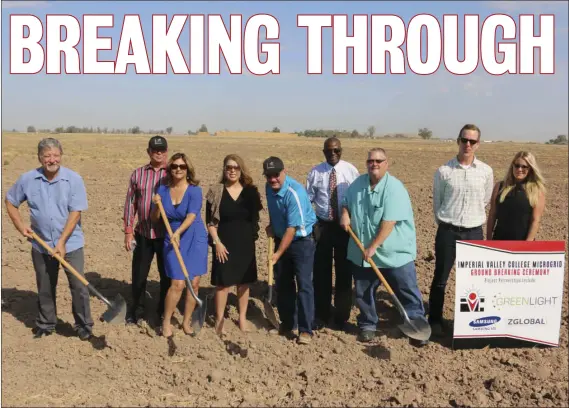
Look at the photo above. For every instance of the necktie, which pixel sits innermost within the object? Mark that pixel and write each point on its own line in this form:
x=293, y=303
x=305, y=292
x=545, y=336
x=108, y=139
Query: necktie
x=333, y=207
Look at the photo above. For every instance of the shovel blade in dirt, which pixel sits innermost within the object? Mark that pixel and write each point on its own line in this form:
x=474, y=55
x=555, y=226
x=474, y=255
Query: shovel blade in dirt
x=199, y=313
x=116, y=313
x=269, y=310
x=416, y=328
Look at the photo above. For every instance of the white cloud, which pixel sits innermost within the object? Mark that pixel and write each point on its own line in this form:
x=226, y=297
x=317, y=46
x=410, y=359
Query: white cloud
x=24, y=4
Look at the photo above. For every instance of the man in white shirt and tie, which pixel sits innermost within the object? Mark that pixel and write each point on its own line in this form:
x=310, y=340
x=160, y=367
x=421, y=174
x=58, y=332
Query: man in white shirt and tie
x=326, y=185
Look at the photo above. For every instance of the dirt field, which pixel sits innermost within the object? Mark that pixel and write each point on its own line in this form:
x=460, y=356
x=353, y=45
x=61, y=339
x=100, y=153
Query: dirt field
x=131, y=366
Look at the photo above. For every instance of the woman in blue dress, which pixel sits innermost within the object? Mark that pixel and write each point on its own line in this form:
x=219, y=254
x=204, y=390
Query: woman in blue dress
x=181, y=198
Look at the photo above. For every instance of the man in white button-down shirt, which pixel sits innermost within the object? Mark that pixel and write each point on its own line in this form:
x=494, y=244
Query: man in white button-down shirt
x=326, y=184
x=462, y=189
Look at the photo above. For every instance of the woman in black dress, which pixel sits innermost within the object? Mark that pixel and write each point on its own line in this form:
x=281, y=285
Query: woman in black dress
x=517, y=202
x=232, y=217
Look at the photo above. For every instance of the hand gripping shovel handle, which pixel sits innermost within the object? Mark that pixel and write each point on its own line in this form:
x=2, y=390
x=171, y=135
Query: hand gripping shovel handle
x=379, y=274
x=177, y=250
x=70, y=269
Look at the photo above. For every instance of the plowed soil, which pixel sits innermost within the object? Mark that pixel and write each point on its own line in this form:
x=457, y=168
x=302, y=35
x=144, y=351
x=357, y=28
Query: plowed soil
x=133, y=366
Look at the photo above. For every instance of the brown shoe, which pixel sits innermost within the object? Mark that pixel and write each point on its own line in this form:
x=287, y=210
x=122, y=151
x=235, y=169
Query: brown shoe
x=304, y=338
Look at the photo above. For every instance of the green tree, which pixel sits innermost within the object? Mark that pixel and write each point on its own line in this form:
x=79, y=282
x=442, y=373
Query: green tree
x=425, y=133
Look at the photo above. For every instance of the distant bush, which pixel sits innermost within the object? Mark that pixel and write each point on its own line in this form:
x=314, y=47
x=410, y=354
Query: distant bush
x=559, y=140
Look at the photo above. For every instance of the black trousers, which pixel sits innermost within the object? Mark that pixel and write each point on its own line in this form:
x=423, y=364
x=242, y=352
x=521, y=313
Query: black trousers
x=143, y=254
x=47, y=272
x=332, y=245
x=445, y=254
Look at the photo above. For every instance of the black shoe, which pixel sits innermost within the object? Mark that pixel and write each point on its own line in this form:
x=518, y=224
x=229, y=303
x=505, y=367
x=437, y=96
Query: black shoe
x=366, y=336
x=130, y=319
x=42, y=332
x=318, y=324
x=418, y=343
x=84, y=334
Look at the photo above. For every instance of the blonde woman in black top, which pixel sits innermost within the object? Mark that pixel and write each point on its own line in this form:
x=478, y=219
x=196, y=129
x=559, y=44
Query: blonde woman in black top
x=517, y=202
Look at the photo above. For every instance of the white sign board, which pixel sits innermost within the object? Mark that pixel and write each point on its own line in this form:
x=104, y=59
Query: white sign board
x=509, y=289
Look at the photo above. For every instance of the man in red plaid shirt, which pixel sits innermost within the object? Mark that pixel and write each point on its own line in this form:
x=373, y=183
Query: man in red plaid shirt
x=149, y=238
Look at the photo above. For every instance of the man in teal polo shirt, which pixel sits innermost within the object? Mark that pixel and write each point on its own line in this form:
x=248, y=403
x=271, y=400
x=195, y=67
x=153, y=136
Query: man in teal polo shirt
x=378, y=209
x=56, y=197
x=291, y=221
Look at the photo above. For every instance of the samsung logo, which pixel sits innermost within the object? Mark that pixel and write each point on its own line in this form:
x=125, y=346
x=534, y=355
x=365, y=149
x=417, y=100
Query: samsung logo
x=484, y=321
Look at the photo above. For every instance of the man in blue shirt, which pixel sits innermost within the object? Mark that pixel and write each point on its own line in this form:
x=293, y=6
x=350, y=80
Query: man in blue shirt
x=378, y=209
x=56, y=197
x=291, y=222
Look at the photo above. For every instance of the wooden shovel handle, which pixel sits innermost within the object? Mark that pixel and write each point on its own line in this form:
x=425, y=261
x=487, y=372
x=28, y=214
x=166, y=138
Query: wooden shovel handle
x=60, y=259
x=371, y=262
x=169, y=229
x=270, y=254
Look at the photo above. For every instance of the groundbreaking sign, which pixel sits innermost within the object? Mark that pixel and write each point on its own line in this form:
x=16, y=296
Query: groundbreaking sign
x=510, y=291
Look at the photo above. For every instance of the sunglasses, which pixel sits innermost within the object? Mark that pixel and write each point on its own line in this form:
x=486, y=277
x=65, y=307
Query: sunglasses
x=521, y=166
x=269, y=176
x=336, y=150
x=465, y=140
x=230, y=167
x=375, y=161
x=178, y=166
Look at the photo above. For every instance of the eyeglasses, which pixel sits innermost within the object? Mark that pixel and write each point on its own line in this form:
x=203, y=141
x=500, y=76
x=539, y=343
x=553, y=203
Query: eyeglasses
x=336, y=150
x=269, y=176
x=375, y=161
x=229, y=167
x=178, y=166
x=521, y=166
x=156, y=151
x=465, y=140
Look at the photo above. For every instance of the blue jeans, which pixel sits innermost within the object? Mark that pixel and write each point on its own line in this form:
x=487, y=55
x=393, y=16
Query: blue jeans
x=296, y=264
x=403, y=281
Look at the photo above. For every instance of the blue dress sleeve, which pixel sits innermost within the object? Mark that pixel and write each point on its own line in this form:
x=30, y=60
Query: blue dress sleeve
x=195, y=204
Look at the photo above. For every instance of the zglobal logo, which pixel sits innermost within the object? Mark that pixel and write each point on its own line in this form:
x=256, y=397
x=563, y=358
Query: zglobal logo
x=484, y=321
x=528, y=321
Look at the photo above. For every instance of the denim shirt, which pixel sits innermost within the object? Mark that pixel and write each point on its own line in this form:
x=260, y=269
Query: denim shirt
x=50, y=203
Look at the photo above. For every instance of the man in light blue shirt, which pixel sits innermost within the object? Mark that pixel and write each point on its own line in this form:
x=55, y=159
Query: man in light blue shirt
x=291, y=223
x=378, y=209
x=56, y=197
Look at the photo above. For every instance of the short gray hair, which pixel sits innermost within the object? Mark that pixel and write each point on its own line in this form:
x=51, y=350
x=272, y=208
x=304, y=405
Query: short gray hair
x=379, y=150
x=49, y=143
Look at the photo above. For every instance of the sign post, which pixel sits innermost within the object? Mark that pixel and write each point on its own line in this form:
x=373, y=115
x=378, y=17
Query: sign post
x=508, y=293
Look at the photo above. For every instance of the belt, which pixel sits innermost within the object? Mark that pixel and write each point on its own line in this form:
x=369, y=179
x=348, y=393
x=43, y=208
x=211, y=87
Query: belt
x=457, y=228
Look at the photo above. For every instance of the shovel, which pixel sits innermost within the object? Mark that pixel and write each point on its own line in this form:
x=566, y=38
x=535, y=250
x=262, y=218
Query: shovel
x=418, y=329
x=116, y=312
x=269, y=311
x=198, y=316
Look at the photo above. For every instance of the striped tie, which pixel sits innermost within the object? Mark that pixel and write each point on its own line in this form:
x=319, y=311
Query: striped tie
x=333, y=207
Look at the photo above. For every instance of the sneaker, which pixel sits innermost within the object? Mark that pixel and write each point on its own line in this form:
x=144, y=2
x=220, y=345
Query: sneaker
x=304, y=338
x=366, y=336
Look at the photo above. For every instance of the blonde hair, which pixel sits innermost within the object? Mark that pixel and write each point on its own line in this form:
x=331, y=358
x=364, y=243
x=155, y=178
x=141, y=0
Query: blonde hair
x=191, y=175
x=533, y=184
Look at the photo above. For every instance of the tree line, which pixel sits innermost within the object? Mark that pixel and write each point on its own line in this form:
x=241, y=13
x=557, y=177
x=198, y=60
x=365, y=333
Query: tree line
x=423, y=133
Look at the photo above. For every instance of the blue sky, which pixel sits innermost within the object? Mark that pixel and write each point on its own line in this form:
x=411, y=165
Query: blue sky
x=507, y=107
